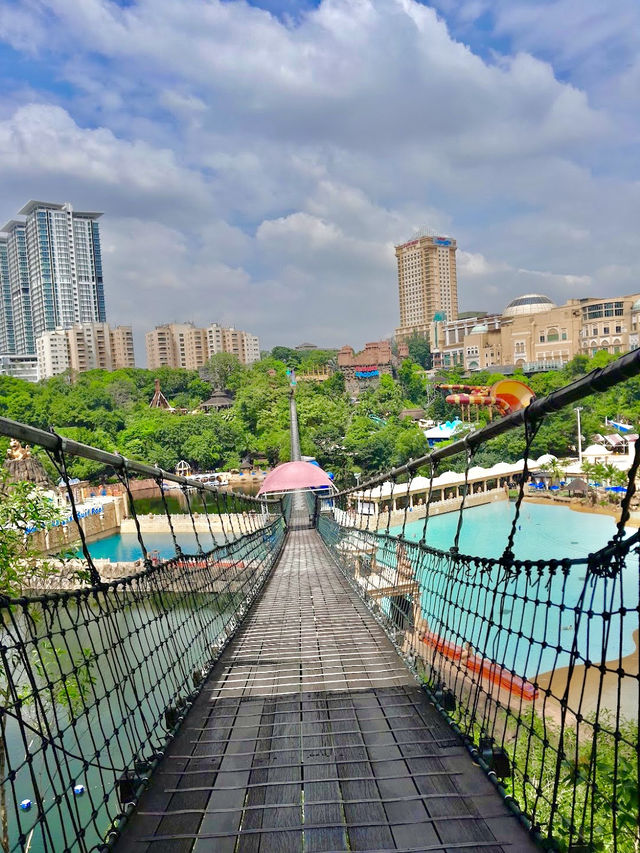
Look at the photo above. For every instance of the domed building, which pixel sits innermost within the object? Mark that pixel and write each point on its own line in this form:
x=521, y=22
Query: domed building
x=533, y=333
x=528, y=303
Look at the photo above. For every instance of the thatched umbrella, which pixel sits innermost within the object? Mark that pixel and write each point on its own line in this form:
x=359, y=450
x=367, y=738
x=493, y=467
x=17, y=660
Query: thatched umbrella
x=578, y=486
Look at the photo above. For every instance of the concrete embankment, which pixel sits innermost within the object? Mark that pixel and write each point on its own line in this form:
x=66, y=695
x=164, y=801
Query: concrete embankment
x=226, y=522
x=221, y=576
x=97, y=522
x=419, y=511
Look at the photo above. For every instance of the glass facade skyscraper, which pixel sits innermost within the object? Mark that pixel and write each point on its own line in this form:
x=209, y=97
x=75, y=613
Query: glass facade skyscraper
x=18, y=312
x=54, y=268
x=7, y=338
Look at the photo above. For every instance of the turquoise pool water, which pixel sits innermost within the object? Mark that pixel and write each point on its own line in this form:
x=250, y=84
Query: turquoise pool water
x=125, y=547
x=461, y=605
x=545, y=532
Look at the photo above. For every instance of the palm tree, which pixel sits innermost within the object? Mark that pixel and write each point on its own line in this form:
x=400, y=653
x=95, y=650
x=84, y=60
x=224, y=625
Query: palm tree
x=557, y=471
x=620, y=478
x=609, y=472
x=554, y=468
x=600, y=472
x=589, y=471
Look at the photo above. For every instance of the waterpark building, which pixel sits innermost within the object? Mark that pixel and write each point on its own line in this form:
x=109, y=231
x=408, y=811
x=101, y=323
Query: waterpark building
x=533, y=333
x=447, y=337
x=363, y=369
x=427, y=283
x=447, y=489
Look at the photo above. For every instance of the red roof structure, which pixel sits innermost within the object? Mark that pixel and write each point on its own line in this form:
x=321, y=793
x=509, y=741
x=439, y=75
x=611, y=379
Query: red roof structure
x=292, y=476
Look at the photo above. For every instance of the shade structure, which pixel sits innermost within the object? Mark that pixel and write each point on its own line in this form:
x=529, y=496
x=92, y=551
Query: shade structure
x=295, y=475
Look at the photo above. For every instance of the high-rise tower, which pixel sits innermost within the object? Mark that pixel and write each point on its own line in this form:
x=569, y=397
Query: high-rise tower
x=50, y=274
x=7, y=337
x=18, y=309
x=427, y=283
x=65, y=266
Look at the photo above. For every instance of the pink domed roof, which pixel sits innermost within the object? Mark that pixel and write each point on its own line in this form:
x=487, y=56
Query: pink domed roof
x=294, y=475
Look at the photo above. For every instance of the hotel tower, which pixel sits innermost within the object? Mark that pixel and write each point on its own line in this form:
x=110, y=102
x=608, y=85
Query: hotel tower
x=427, y=283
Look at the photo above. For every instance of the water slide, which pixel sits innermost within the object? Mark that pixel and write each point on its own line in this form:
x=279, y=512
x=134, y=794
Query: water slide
x=507, y=395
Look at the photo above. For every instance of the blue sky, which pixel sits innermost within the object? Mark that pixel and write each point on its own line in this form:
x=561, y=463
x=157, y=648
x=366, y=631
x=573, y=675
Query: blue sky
x=257, y=163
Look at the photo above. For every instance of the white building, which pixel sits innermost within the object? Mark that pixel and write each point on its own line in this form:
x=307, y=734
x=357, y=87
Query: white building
x=65, y=266
x=14, y=275
x=52, y=351
x=19, y=366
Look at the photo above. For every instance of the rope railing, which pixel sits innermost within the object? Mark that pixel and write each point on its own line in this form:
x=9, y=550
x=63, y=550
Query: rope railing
x=96, y=678
x=529, y=651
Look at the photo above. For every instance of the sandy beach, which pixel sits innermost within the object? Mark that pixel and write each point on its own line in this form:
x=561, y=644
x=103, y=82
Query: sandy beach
x=586, y=685
x=578, y=506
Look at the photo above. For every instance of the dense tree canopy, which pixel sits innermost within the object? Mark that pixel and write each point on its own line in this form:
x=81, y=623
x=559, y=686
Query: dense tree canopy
x=112, y=410
x=419, y=350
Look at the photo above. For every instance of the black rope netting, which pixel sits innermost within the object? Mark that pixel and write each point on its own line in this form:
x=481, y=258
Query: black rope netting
x=533, y=661
x=96, y=679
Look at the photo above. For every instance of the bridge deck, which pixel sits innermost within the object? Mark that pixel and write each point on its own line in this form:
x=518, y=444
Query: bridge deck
x=312, y=735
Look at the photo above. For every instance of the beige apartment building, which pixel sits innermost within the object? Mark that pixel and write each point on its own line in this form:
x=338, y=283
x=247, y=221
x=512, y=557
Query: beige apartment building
x=533, y=333
x=242, y=344
x=84, y=346
x=187, y=346
x=122, y=347
x=427, y=283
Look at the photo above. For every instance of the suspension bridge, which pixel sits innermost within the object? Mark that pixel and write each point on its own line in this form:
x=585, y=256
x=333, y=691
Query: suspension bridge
x=313, y=680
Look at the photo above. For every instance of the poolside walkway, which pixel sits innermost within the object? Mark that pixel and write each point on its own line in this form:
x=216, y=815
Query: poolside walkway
x=311, y=734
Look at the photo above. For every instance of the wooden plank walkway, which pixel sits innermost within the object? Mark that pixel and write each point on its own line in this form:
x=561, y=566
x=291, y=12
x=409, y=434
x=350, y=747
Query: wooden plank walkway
x=311, y=735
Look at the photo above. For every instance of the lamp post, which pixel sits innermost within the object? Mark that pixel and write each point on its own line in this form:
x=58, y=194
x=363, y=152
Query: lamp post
x=577, y=410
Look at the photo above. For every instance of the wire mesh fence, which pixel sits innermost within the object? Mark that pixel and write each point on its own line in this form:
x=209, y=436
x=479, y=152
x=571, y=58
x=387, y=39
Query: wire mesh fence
x=95, y=679
x=532, y=657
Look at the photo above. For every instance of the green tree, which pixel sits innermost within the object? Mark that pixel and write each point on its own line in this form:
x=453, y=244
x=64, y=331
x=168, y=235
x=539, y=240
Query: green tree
x=202, y=451
x=419, y=350
x=288, y=356
x=620, y=478
x=556, y=470
x=334, y=385
x=413, y=381
x=576, y=367
x=223, y=371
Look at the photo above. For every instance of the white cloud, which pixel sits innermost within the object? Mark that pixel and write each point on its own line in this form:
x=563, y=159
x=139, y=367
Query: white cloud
x=43, y=146
x=258, y=169
x=475, y=264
